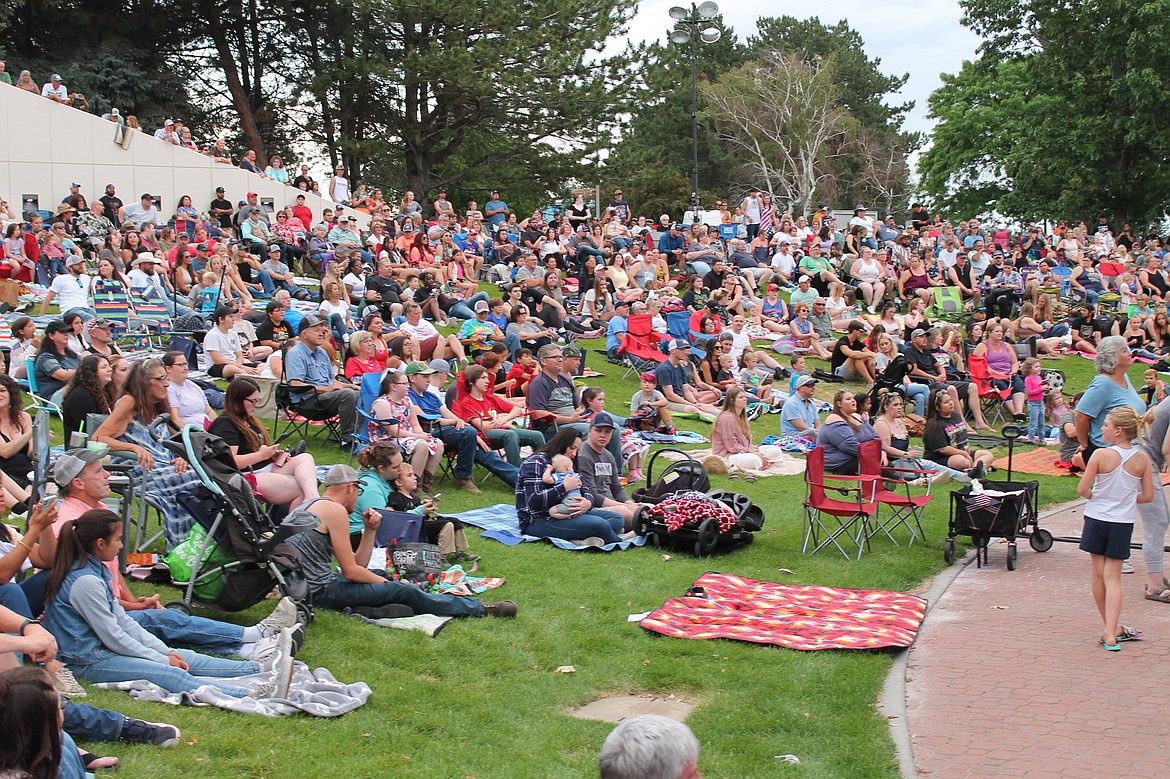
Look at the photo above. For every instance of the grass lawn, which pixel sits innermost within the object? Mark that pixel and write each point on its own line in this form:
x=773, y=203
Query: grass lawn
x=482, y=699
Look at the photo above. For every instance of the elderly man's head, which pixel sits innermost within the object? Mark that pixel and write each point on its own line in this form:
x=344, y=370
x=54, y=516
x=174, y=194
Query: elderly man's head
x=650, y=745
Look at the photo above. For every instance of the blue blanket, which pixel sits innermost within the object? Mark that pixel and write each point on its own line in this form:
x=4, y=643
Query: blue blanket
x=499, y=523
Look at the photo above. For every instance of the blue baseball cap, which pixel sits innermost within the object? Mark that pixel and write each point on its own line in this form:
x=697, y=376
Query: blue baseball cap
x=602, y=419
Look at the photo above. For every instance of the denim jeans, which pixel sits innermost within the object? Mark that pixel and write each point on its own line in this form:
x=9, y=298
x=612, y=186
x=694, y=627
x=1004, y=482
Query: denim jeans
x=45, y=273
x=70, y=765
x=341, y=592
x=337, y=326
x=266, y=283
x=1036, y=419
x=501, y=468
x=109, y=667
x=606, y=525
x=463, y=309
x=462, y=441
x=511, y=439
x=919, y=393
x=90, y=723
x=293, y=289
x=174, y=628
x=13, y=598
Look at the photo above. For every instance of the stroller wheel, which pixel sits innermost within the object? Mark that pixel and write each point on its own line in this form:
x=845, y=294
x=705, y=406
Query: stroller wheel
x=1012, y=556
x=179, y=605
x=949, y=551
x=708, y=537
x=1041, y=540
x=304, y=613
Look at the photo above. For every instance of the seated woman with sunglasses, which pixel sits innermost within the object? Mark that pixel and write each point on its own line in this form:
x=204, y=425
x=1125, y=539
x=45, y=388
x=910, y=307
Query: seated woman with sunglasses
x=280, y=476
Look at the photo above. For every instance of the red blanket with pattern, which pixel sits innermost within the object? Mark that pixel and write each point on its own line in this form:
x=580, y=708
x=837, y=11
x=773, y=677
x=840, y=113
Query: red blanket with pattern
x=793, y=616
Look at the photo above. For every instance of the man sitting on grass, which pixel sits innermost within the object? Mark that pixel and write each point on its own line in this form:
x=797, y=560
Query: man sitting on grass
x=676, y=381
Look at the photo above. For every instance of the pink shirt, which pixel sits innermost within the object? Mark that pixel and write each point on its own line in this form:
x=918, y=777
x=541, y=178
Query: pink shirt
x=72, y=508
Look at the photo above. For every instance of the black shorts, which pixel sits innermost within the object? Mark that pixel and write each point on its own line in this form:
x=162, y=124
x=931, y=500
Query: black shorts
x=216, y=371
x=1109, y=539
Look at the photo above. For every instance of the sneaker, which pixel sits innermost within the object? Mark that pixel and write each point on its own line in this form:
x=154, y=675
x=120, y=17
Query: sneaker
x=281, y=665
x=66, y=684
x=504, y=608
x=1126, y=566
x=269, y=651
x=158, y=734
x=755, y=411
x=940, y=477
x=283, y=616
x=464, y=557
x=300, y=448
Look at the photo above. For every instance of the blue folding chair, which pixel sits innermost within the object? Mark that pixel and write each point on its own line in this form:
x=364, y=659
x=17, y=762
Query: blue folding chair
x=371, y=389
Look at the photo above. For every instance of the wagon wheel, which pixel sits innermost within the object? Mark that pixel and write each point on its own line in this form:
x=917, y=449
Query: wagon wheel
x=179, y=605
x=1012, y=554
x=949, y=551
x=639, y=525
x=1041, y=540
x=708, y=537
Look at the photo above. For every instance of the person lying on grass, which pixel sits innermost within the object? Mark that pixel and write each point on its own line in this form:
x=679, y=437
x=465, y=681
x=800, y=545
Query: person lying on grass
x=356, y=585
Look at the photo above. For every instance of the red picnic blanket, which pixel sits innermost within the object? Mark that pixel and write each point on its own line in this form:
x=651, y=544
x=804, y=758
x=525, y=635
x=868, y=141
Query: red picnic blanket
x=793, y=616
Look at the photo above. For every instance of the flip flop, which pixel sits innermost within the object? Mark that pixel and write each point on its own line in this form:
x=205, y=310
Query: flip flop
x=1108, y=647
x=1129, y=634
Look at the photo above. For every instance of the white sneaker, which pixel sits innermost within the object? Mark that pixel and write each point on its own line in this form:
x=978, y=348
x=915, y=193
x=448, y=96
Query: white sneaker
x=66, y=684
x=940, y=477
x=281, y=665
x=283, y=616
x=270, y=650
x=1126, y=566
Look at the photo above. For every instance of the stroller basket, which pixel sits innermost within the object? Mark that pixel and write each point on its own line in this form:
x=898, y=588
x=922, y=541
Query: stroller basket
x=1003, y=510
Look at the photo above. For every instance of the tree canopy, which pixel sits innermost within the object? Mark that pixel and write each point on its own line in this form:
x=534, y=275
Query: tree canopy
x=1061, y=114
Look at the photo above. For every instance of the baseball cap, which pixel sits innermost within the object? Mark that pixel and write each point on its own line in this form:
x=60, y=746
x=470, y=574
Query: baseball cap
x=71, y=464
x=570, y=351
x=601, y=419
x=416, y=368
x=440, y=366
x=168, y=123
x=619, y=303
x=56, y=77
x=251, y=194
x=98, y=324
x=341, y=474
x=804, y=381
x=273, y=247
x=220, y=189
x=677, y=343
x=311, y=321
x=773, y=287
x=74, y=184
x=481, y=305
x=917, y=332
x=75, y=259
x=648, y=376
x=200, y=247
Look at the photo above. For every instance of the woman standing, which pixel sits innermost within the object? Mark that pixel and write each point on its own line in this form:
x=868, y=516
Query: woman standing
x=184, y=395
x=281, y=477
x=842, y=433
x=731, y=436
x=396, y=419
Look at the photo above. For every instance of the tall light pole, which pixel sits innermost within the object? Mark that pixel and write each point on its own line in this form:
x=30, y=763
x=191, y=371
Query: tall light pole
x=686, y=30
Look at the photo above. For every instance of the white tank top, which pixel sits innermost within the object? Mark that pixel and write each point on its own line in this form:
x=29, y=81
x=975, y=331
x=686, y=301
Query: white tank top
x=1115, y=493
x=340, y=191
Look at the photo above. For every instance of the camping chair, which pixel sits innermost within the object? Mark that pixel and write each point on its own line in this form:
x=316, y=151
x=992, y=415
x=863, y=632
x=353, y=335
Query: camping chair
x=121, y=465
x=678, y=325
x=904, y=507
x=991, y=399
x=642, y=346
x=300, y=416
x=150, y=309
x=371, y=388
x=111, y=301
x=849, y=518
x=948, y=304
x=1064, y=274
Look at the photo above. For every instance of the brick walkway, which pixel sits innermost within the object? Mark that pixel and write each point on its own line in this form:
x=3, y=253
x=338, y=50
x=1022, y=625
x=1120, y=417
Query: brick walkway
x=1024, y=691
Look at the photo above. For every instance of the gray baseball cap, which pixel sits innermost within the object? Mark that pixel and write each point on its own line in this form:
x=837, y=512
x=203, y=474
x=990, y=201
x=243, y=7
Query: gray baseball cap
x=341, y=474
x=70, y=465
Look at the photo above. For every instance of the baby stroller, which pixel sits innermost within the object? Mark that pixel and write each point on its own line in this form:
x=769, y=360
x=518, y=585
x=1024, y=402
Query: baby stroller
x=242, y=554
x=686, y=515
x=1003, y=509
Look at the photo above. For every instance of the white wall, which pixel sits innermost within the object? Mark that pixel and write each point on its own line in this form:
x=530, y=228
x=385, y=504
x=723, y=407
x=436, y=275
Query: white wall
x=45, y=146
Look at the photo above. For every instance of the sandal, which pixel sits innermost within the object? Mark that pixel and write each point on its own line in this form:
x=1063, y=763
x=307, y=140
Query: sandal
x=1162, y=595
x=1109, y=647
x=94, y=762
x=1129, y=634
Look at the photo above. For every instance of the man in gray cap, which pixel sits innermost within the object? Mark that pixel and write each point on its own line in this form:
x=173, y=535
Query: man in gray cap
x=675, y=381
x=356, y=587
x=799, y=415
x=317, y=392
x=601, y=474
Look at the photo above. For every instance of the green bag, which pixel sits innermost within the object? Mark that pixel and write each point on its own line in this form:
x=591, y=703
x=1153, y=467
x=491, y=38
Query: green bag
x=181, y=561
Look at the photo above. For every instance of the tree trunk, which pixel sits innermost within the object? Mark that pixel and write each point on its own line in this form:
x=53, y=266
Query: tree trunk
x=240, y=98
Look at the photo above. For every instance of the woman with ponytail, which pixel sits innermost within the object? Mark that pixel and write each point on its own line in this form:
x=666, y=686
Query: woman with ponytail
x=1118, y=477
x=102, y=644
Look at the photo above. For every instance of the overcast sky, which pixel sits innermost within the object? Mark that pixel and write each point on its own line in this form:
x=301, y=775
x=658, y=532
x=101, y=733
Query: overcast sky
x=923, y=38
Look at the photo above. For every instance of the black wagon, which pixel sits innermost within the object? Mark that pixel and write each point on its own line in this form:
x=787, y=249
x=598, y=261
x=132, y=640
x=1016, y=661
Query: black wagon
x=1005, y=509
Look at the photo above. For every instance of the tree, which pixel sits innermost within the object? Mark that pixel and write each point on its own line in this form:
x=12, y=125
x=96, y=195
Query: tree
x=1060, y=115
x=779, y=117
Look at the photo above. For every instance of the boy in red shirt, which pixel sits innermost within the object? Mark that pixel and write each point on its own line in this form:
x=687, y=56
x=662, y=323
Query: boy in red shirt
x=522, y=372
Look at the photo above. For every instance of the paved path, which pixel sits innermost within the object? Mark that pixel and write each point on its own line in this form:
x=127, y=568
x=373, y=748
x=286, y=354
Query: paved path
x=1006, y=678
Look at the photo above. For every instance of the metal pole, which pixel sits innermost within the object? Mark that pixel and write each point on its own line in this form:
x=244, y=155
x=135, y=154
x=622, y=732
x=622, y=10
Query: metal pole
x=694, y=20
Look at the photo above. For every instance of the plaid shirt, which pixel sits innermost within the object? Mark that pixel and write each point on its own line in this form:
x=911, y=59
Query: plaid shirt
x=533, y=497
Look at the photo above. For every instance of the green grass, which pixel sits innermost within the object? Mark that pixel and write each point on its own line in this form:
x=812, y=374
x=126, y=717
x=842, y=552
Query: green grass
x=482, y=699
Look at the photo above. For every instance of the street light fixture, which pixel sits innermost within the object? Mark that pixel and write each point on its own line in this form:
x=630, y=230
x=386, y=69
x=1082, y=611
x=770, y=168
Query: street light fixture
x=686, y=31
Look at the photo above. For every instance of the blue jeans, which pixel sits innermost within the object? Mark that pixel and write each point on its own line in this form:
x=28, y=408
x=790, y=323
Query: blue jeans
x=84, y=312
x=463, y=309
x=70, y=766
x=174, y=628
x=293, y=289
x=341, y=592
x=606, y=525
x=462, y=441
x=12, y=597
x=501, y=468
x=266, y=282
x=108, y=667
x=511, y=439
x=337, y=325
x=1058, y=330
x=45, y=273
x=1036, y=419
x=919, y=393
x=90, y=723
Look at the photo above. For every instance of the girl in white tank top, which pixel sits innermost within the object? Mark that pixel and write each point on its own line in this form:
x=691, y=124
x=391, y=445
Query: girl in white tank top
x=1116, y=479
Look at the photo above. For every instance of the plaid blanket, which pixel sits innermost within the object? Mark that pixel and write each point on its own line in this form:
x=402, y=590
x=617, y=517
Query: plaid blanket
x=499, y=523
x=792, y=616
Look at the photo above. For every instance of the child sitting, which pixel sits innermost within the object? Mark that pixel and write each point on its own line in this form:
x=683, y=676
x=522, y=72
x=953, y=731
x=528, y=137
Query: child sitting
x=555, y=473
x=204, y=296
x=444, y=532
x=522, y=372
x=648, y=407
x=757, y=381
x=798, y=370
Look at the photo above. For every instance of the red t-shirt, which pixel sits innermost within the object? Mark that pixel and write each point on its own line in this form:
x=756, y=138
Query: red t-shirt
x=487, y=409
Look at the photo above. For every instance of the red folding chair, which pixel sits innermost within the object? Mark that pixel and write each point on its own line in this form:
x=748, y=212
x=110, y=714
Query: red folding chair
x=642, y=346
x=991, y=399
x=849, y=521
x=904, y=507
